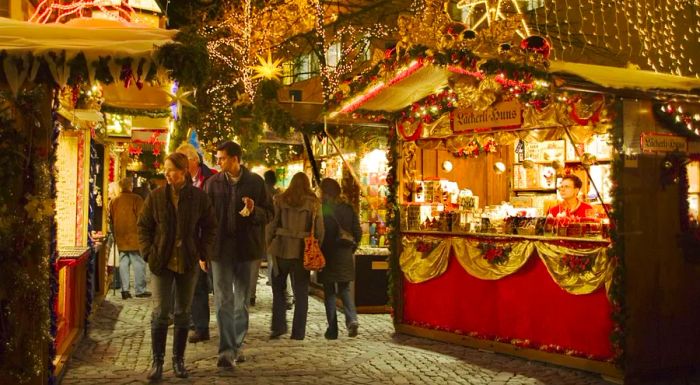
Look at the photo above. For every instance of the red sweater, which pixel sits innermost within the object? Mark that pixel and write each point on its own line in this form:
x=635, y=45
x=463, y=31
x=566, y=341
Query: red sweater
x=579, y=212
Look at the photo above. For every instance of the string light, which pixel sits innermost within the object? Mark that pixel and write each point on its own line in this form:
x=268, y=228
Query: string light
x=660, y=35
x=47, y=8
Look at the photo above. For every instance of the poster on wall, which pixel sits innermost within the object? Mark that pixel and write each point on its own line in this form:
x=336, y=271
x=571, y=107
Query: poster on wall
x=67, y=189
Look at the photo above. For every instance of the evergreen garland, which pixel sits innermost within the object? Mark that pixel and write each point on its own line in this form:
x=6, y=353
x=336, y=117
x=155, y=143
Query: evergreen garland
x=26, y=212
x=616, y=252
x=150, y=112
x=679, y=123
x=393, y=220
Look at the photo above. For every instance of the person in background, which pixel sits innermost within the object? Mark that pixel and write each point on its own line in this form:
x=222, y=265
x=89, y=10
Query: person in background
x=295, y=210
x=113, y=253
x=270, y=178
x=200, y=302
x=176, y=232
x=243, y=208
x=123, y=213
x=571, y=206
x=340, y=266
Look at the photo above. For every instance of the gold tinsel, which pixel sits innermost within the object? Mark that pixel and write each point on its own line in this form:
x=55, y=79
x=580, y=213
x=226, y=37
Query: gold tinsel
x=472, y=93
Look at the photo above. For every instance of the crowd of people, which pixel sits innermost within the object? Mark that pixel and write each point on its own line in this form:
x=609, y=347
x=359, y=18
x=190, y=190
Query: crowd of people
x=207, y=231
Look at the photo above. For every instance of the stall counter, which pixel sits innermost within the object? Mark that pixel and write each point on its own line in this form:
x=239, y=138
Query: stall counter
x=543, y=293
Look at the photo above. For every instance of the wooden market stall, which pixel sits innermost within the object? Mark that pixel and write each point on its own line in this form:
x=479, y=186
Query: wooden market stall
x=479, y=146
x=48, y=73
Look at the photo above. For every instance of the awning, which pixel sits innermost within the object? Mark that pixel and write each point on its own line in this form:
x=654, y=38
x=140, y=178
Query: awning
x=626, y=78
x=92, y=37
x=406, y=88
x=96, y=39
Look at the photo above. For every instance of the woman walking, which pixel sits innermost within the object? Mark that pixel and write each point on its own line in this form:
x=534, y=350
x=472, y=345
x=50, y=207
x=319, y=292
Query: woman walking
x=297, y=212
x=343, y=234
x=176, y=232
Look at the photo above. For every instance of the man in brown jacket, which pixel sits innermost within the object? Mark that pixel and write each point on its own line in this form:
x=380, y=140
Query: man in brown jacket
x=123, y=212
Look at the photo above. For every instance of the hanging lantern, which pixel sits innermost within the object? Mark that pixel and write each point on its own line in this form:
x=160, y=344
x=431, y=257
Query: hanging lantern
x=536, y=44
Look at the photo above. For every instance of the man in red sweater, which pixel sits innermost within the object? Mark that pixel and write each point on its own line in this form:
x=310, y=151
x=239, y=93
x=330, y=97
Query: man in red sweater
x=571, y=206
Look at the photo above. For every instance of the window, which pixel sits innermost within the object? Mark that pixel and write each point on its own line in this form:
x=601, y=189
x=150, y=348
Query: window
x=694, y=190
x=333, y=55
x=4, y=8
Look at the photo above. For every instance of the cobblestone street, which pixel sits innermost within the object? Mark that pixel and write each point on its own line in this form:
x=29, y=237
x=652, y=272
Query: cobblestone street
x=116, y=350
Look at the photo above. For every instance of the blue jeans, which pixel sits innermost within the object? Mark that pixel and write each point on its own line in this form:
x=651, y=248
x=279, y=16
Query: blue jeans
x=163, y=304
x=343, y=290
x=231, y=290
x=126, y=259
x=200, y=302
x=300, y=287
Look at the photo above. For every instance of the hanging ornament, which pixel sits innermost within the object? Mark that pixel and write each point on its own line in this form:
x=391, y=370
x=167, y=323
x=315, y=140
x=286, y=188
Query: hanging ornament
x=536, y=44
x=180, y=98
x=454, y=30
x=469, y=35
x=126, y=75
x=267, y=69
x=504, y=48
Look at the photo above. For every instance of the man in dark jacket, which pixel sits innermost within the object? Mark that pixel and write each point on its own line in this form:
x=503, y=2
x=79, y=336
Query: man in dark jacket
x=243, y=207
x=200, y=302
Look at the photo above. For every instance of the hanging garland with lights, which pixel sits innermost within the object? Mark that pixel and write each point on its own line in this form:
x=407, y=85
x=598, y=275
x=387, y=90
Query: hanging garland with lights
x=616, y=252
x=678, y=121
x=392, y=227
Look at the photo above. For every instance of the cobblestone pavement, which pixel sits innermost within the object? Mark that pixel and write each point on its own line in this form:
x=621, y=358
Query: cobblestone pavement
x=116, y=350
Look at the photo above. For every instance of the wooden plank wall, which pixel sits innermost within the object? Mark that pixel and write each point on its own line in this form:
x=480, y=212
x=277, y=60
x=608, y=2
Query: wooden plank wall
x=475, y=174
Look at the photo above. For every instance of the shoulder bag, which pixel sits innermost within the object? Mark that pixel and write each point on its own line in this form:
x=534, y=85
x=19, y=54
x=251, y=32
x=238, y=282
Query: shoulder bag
x=345, y=238
x=313, y=257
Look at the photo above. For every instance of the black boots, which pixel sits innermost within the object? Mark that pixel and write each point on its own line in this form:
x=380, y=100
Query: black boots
x=179, y=344
x=158, y=337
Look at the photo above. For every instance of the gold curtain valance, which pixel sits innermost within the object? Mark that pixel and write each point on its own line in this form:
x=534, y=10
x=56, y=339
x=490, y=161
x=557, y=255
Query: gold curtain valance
x=426, y=258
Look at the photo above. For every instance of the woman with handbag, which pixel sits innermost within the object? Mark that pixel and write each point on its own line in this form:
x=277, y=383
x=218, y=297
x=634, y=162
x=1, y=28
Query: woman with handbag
x=290, y=234
x=343, y=234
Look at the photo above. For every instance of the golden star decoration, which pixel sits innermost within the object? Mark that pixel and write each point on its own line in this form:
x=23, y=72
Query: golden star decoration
x=242, y=99
x=493, y=13
x=267, y=68
x=181, y=98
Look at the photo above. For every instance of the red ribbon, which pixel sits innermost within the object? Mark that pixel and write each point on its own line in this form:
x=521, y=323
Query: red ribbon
x=413, y=137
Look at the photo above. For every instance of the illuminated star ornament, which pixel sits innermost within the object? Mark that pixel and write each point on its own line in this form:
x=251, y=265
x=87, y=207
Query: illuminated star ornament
x=493, y=12
x=267, y=69
x=179, y=97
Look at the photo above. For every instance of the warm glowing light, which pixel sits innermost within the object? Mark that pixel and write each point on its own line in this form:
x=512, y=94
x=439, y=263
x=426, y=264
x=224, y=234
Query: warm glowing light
x=48, y=11
x=268, y=69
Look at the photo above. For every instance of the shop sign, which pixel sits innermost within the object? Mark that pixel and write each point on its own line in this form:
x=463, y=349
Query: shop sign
x=501, y=115
x=657, y=142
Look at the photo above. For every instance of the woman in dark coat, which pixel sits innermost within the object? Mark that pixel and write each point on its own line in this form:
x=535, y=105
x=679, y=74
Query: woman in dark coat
x=340, y=266
x=176, y=232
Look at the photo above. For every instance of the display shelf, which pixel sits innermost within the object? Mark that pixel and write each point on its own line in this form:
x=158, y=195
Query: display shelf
x=547, y=190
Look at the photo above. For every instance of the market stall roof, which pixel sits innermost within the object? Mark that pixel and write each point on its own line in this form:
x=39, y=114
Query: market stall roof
x=420, y=80
x=95, y=39
x=92, y=37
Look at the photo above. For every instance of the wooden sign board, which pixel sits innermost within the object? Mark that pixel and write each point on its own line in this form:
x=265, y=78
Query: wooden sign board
x=501, y=115
x=657, y=142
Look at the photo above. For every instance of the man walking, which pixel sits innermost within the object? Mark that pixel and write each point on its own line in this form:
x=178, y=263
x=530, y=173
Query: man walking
x=200, y=302
x=243, y=208
x=123, y=213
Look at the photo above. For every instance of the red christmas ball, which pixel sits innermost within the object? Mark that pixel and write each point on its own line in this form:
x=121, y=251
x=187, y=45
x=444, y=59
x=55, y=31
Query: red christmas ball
x=537, y=44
